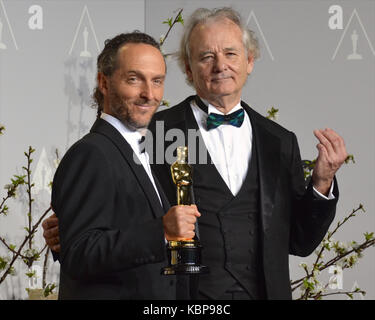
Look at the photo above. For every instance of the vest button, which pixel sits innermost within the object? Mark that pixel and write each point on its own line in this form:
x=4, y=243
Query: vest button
x=251, y=232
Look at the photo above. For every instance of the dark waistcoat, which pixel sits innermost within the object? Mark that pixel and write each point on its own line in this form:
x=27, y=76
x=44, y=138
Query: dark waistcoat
x=229, y=231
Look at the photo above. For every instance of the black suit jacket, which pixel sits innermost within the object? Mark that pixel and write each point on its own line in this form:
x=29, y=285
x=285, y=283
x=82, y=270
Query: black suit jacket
x=293, y=220
x=110, y=220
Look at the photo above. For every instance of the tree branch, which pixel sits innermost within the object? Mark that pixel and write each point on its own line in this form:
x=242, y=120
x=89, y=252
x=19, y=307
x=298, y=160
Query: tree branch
x=18, y=253
x=176, y=19
x=331, y=262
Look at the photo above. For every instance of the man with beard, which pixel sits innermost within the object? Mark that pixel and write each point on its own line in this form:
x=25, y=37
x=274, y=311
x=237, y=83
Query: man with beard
x=111, y=210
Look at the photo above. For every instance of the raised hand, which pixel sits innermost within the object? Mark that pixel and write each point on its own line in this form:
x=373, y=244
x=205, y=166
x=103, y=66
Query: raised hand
x=332, y=154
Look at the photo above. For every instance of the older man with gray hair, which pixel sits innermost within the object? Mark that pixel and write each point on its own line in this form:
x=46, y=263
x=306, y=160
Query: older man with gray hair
x=255, y=208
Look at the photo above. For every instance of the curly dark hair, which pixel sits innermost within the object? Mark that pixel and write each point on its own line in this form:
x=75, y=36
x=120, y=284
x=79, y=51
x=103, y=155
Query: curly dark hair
x=107, y=59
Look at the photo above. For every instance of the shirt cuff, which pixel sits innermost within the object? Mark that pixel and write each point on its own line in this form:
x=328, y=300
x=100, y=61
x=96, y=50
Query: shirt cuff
x=322, y=196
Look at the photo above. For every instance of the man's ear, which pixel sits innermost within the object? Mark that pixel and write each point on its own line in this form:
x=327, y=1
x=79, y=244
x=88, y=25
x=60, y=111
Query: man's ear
x=103, y=83
x=250, y=63
x=188, y=71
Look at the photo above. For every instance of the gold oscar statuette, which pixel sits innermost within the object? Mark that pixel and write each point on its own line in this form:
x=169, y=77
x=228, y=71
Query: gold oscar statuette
x=184, y=255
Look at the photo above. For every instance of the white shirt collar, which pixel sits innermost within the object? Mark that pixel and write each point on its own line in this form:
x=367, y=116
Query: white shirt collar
x=213, y=109
x=131, y=136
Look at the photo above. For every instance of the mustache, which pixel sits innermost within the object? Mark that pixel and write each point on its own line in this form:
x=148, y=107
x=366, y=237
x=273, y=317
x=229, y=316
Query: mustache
x=221, y=76
x=142, y=102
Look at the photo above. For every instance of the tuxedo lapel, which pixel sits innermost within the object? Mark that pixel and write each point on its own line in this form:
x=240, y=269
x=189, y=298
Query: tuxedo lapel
x=268, y=147
x=182, y=119
x=102, y=127
x=162, y=195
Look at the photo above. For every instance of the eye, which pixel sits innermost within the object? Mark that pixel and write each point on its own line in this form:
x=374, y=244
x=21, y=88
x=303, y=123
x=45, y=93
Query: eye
x=158, y=82
x=206, y=58
x=132, y=79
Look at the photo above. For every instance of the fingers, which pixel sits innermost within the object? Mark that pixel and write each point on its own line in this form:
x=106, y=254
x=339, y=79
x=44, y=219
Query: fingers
x=325, y=147
x=50, y=222
x=179, y=222
x=333, y=143
x=53, y=243
x=51, y=233
x=189, y=210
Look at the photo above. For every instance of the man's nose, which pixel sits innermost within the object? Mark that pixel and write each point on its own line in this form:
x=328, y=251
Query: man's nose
x=147, y=91
x=219, y=64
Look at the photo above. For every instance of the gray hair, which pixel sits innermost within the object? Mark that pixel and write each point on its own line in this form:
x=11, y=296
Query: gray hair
x=203, y=15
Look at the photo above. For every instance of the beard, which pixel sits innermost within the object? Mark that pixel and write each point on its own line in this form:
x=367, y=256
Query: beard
x=122, y=111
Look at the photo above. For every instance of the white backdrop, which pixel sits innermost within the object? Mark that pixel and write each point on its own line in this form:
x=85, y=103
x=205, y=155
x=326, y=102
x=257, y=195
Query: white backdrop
x=317, y=67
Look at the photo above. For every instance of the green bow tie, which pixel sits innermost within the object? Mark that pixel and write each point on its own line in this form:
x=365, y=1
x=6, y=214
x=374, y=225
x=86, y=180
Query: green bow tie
x=235, y=119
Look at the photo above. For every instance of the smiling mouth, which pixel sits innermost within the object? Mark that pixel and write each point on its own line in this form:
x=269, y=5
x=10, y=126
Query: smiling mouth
x=144, y=106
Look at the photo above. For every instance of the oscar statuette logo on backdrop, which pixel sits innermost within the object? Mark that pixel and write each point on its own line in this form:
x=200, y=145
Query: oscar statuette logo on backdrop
x=354, y=32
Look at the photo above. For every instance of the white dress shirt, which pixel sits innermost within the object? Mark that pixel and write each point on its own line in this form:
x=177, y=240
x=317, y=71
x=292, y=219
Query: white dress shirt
x=133, y=138
x=230, y=147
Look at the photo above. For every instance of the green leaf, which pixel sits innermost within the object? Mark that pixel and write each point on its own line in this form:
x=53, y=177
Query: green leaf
x=165, y=103
x=361, y=207
x=272, y=113
x=169, y=22
x=4, y=210
x=3, y=262
x=369, y=236
x=49, y=289
x=349, y=158
x=19, y=180
x=180, y=19
x=308, y=285
x=12, y=271
x=31, y=274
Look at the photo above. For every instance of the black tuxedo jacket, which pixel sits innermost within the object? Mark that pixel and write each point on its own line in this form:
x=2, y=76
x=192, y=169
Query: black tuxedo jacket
x=293, y=220
x=110, y=220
